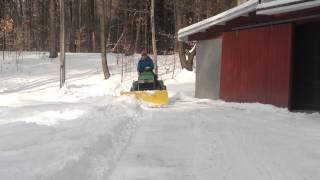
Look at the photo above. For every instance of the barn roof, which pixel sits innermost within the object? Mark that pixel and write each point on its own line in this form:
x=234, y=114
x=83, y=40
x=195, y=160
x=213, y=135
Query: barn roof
x=266, y=7
x=219, y=19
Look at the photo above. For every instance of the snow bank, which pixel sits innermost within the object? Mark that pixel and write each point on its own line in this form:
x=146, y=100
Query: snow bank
x=183, y=76
x=182, y=86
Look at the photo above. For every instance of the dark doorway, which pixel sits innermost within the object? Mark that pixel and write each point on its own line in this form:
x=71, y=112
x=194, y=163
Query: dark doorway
x=306, y=68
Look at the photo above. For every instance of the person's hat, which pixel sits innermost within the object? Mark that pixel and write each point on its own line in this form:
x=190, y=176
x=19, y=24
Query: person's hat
x=144, y=52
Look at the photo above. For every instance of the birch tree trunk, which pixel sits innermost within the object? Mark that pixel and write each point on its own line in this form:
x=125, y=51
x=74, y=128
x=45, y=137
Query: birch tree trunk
x=153, y=31
x=52, y=30
x=101, y=11
x=62, y=45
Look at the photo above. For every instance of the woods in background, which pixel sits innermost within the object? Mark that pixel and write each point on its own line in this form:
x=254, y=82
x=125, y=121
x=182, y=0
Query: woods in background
x=126, y=25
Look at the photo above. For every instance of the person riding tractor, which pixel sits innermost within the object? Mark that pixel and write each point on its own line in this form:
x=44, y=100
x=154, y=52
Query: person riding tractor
x=148, y=88
x=147, y=79
x=145, y=63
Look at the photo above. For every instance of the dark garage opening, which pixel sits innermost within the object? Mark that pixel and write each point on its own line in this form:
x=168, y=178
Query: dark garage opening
x=306, y=68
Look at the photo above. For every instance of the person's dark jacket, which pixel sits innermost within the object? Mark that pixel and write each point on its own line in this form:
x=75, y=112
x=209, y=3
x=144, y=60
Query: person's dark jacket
x=143, y=63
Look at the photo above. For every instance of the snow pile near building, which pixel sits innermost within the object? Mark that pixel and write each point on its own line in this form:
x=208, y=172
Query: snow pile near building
x=183, y=76
x=182, y=86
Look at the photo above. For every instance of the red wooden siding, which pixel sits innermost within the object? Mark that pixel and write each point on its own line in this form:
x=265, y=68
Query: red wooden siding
x=256, y=65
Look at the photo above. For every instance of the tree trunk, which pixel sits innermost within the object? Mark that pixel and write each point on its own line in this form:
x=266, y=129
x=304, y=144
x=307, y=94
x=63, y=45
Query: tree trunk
x=136, y=44
x=29, y=28
x=126, y=27
x=178, y=25
x=22, y=24
x=109, y=20
x=93, y=41
x=3, y=48
x=92, y=23
x=71, y=27
x=41, y=14
x=153, y=31
x=101, y=10
x=137, y=35
x=146, y=29
x=209, y=10
x=62, y=45
x=185, y=64
x=52, y=30
x=191, y=56
x=79, y=23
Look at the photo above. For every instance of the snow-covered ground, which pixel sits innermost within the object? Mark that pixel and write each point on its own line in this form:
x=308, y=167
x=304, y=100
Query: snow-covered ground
x=87, y=131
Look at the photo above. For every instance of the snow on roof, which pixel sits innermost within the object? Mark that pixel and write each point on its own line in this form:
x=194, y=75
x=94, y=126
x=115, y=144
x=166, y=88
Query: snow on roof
x=267, y=7
x=219, y=19
x=285, y=6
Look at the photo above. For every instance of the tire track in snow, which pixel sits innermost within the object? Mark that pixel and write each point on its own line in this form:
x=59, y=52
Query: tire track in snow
x=99, y=157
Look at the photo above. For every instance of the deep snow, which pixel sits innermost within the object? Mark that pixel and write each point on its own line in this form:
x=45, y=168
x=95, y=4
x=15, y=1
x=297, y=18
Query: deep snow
x=87, y=131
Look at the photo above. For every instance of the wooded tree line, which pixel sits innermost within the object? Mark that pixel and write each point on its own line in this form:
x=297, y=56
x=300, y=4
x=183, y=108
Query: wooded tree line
x=126, y=23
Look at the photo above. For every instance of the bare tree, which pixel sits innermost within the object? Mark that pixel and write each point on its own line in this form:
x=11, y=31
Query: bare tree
x=71, y=24
x=102, y=12
x=92, y=24
x=186, y=63
x=79, y=26
x=137, y=34
x=153, y=31
x=62, y=45
x=36, y=23
x=52, y=30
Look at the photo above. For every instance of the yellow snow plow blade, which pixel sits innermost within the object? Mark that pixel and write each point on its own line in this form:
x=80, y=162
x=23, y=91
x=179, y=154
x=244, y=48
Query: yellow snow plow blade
x=154, y=97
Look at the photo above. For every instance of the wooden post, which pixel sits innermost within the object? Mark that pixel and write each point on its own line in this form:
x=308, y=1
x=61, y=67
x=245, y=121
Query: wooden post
x=62, y=45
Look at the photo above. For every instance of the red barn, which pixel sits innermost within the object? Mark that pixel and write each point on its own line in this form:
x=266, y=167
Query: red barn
x=267, y=52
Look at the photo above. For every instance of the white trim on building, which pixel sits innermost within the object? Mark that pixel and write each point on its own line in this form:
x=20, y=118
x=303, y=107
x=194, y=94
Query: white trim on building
x=285, y=6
